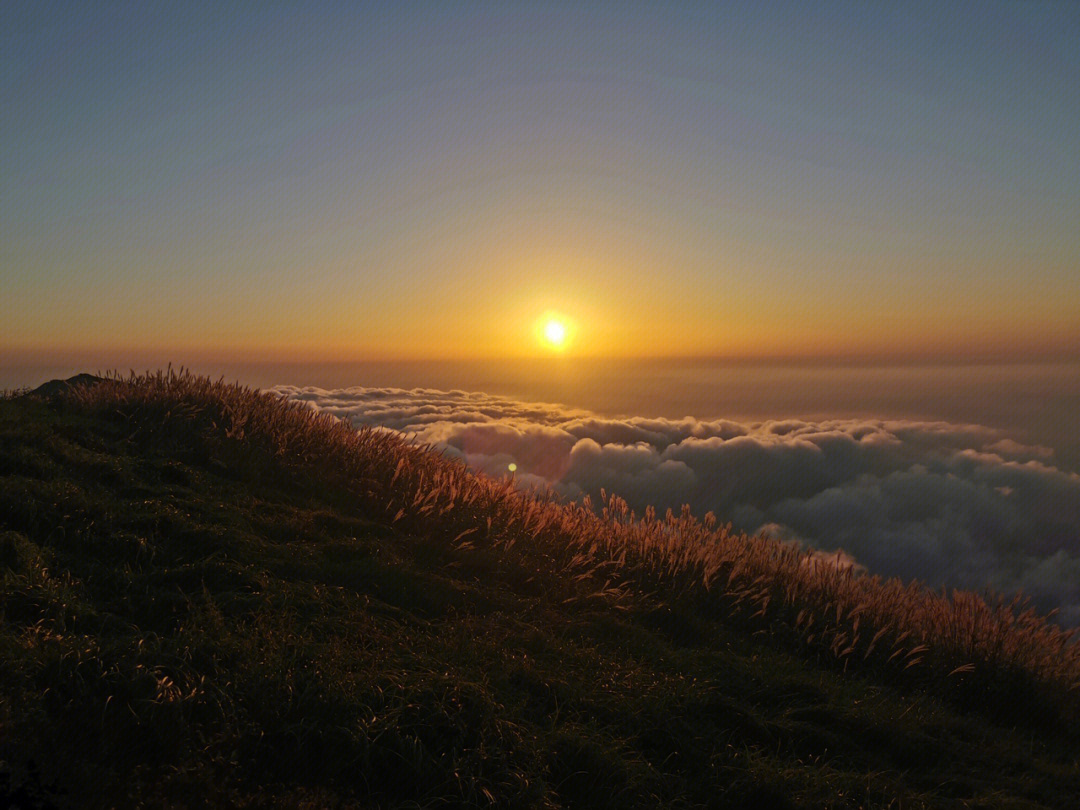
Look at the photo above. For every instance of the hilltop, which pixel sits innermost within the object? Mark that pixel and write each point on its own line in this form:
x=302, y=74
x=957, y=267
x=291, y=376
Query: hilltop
x=213, y=597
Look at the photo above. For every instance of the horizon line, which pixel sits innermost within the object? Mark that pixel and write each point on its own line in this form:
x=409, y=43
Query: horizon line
x=12, y=357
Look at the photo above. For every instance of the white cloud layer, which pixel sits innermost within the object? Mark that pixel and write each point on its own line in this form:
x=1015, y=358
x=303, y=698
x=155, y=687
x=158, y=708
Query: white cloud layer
x=951, y=505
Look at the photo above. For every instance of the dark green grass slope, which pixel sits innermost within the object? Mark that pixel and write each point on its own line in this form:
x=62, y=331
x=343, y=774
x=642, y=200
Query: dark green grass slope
x=188, y=622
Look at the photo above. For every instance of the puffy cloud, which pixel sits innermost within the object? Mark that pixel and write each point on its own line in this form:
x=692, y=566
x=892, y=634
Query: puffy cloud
x=951, y=505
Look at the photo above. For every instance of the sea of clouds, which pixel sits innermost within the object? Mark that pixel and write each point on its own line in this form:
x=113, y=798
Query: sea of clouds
x=949, y=504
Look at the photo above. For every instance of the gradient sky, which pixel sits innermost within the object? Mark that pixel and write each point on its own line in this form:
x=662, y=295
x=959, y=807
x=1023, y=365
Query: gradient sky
x=346, y=181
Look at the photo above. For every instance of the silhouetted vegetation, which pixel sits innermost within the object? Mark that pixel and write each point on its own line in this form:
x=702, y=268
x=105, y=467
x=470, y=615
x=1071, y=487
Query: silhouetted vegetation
x=213, y=596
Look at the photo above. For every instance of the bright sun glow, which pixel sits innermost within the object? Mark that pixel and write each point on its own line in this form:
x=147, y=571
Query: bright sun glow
x=555, y=332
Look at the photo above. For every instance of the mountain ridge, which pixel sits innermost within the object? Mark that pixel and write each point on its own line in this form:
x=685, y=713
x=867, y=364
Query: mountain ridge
x=212, y=597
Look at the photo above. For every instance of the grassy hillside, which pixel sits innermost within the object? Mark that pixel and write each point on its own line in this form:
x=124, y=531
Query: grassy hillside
x=212, y=597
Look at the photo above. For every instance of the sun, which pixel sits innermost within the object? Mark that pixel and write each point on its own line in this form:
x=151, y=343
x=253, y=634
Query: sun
x=555, y=332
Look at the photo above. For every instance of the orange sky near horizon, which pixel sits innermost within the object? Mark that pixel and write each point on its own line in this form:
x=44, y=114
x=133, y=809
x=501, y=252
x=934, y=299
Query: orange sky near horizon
x=631, y=313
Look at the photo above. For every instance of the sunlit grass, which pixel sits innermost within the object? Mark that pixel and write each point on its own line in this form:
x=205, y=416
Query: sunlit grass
x=981, y=652
x=210, y=596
